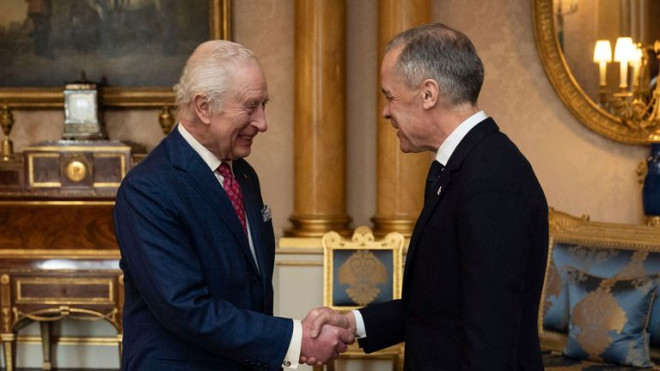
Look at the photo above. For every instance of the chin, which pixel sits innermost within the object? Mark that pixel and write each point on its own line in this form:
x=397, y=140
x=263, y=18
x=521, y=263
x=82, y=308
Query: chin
x=241, y=153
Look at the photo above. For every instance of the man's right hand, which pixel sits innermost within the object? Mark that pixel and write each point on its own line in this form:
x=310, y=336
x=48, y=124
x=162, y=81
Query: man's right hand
x=326, y=333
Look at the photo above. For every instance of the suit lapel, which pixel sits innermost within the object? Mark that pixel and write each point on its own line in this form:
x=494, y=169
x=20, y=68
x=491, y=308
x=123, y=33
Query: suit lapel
x=475, y=135
x=202, y=180
x=252, y=210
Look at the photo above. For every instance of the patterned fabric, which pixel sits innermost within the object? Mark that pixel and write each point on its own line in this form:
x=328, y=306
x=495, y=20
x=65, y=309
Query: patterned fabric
x=234, y=192
x=600, y=262
x=553, y=361
x=609, y=317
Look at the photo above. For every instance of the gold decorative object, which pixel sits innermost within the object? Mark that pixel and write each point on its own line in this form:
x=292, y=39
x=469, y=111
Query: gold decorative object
x=76, y=171
x=166, y=119
x=584, y=108
x=7, y=122
x=641, y=171
x=634, y=104
x=363, y=269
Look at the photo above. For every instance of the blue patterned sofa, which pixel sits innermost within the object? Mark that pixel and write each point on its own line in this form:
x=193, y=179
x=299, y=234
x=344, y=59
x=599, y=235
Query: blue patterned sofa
x=599, y=309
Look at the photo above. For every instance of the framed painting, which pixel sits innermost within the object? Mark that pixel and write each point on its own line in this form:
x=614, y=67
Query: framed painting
x=361, y=271
x=134, y=49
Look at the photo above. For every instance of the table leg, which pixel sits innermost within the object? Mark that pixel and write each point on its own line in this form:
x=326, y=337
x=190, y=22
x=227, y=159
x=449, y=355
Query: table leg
x=9, y=350
x=46, y=337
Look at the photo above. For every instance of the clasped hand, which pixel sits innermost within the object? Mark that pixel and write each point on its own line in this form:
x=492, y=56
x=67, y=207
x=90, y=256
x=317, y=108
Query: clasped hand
x=326, y=334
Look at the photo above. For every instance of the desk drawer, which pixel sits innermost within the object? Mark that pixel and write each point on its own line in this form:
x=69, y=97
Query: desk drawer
x=69, y=291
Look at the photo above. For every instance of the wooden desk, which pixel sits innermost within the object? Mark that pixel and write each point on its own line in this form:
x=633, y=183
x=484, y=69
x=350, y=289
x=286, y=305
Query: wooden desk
x=57, y=259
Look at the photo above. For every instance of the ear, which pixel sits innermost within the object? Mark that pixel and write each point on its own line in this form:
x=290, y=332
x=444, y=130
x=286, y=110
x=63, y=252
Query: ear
x=202, y=108
x=430, y=93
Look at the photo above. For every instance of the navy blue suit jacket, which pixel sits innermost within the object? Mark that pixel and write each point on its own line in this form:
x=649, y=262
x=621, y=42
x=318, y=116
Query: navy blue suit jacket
x=475, y=266
x=194, y=297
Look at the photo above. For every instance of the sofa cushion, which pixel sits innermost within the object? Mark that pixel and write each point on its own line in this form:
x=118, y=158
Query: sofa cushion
x=598, y=261
x=609, y=316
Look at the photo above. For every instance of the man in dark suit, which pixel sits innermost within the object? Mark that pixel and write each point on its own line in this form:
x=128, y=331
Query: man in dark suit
x=196, y=240
x=476, y=259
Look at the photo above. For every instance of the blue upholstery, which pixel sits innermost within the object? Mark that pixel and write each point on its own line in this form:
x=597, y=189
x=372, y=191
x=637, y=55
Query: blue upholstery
x=600, y=262
x=553, y=361
x=609, y=317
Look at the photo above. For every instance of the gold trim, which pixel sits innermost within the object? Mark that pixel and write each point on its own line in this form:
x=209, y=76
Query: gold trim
x=56, y=314
x=68, y=300
x=363, y=239
x=311, y=226
x=122, y=163
x=32, y=97
x=299, y=251
x=106, y=184
x=384, y=225
x=31, y=181
x=26, y=203
x=54, y=254
x=298, y=263
x=76, y=149
x=72, y=340
x=300, y=243
x=569, y=91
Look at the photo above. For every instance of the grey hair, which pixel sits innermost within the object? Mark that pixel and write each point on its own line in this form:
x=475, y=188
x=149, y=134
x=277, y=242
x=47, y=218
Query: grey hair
x=208, y=71
x=436, y=51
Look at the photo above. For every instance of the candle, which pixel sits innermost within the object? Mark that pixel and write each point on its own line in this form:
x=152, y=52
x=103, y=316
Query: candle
x=603, y=55
x=623, y=53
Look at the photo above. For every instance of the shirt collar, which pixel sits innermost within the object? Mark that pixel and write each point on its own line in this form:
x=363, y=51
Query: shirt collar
x=209, y=158
x=452, y=141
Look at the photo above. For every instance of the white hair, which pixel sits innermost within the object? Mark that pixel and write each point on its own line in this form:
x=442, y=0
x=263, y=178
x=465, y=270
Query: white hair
x=208, y=71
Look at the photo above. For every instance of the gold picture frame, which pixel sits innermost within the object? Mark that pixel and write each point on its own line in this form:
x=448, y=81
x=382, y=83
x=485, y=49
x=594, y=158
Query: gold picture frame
x=567, y=88
x=31, y=97
x=362, y=270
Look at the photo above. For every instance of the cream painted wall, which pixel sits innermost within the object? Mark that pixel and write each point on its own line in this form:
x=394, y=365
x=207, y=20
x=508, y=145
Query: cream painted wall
x=580, y=171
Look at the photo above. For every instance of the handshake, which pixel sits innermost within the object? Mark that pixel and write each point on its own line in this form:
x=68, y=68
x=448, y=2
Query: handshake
x=326, y=334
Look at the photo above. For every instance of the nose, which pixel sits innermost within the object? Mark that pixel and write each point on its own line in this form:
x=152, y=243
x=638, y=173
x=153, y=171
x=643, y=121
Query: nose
x=386, y=111
x=259, y=119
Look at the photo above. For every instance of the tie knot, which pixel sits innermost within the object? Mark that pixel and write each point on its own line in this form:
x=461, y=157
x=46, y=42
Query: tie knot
x=225, y=170
x=434, y=171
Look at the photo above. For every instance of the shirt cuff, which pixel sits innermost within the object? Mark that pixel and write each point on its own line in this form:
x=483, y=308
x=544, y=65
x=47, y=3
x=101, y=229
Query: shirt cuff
x=360, y=331
x=292, y=357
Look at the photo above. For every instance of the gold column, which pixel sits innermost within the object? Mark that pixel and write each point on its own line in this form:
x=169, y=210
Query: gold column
x=400, y=177
x=320, y=119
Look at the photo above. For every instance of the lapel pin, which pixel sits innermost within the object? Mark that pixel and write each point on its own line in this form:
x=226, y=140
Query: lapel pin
x=266, y=213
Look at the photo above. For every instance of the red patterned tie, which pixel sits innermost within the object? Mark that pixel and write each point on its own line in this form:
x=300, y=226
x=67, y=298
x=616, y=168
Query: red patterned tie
x=234, y=193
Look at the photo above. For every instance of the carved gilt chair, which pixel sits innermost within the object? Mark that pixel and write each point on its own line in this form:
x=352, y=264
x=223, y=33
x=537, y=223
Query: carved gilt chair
x=359, y=272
